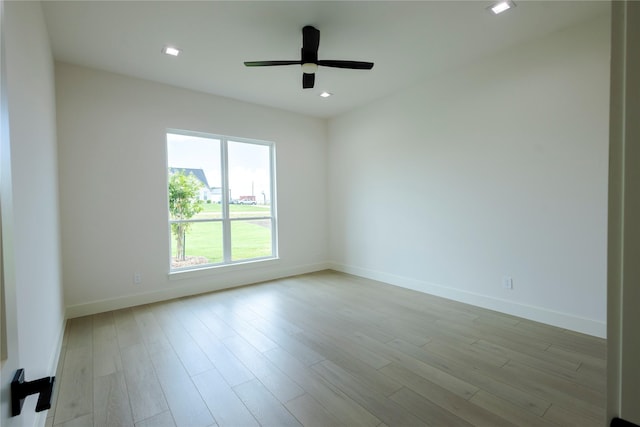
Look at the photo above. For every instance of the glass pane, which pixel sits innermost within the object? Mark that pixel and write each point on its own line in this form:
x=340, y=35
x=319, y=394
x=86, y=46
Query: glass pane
x=250, y=239
x=249, y=168
x=196, y=243
x=195, y=183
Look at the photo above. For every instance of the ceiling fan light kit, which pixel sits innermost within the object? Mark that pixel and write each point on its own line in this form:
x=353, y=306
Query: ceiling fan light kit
x=309, y=59
x=309, y=68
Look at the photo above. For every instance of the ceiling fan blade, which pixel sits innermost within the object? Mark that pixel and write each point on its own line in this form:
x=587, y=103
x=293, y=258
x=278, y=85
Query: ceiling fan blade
x=356, y=65
x=310, y=40
x=308, y=80
x=270, y=63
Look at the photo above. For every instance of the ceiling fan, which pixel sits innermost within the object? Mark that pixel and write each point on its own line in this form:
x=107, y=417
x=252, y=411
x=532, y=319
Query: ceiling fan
x=309, y=59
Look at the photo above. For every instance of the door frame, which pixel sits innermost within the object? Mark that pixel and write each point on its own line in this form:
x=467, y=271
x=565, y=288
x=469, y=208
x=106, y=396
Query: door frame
x=9, y=360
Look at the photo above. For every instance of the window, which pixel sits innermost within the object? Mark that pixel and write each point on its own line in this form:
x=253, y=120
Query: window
x=221, y=200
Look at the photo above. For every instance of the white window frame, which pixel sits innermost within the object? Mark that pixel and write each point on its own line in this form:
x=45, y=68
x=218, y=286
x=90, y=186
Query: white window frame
x=226, y=220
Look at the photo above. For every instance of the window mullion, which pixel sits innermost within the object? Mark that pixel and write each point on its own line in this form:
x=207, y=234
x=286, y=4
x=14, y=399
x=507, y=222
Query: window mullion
x=226, y=224
x=272, y=189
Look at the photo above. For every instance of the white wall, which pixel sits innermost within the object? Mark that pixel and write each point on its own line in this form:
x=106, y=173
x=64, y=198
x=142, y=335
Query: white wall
x=33, y=209
x=112, y=144
x=496, y=169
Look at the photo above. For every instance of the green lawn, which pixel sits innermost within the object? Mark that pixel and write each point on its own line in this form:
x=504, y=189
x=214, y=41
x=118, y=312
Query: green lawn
x=249, y=239
x=214, y=210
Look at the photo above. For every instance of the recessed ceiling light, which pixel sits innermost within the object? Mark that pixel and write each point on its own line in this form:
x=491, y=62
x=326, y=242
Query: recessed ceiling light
x=325, y=94
x=170, y=50
x=501, y=6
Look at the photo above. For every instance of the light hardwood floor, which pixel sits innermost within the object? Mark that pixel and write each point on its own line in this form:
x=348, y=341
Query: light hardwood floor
x=324, y=349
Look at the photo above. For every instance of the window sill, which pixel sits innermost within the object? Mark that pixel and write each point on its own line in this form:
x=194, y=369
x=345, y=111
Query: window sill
x=211, y=270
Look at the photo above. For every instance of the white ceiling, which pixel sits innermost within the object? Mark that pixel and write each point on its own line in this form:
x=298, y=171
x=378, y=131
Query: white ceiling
x=407, y=41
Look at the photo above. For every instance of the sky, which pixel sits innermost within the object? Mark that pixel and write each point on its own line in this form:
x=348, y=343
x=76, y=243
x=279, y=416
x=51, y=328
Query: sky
x=248, y=164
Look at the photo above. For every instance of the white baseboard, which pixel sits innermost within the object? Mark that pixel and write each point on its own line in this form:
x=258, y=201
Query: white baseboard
x=224, y=281
x=538, y=314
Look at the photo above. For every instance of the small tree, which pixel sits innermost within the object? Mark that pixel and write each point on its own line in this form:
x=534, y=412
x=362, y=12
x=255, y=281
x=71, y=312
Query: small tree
x=183, y=205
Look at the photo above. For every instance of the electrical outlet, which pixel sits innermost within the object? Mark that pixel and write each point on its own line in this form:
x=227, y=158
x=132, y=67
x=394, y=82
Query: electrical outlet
x=137, y=278
x=507, y=282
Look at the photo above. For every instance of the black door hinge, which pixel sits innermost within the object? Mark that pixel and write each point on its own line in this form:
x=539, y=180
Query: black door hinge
x=20, y=389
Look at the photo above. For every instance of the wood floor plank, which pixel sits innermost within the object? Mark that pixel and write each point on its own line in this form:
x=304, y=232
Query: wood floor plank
x=501, y=385
x=542, y=359
x=508, y=410
x=426, y=410
x=186, y=404
x=80, y=331
x=201, y=313
x=450, y=332
x=396, y=319
x=468, y=353
x=338, y=344
x=325, y=349
x=253, y=335
x=569, y=340
x=150, y=330
x=190, y=354
x=281, y=331
x=145, y=394
x=594, y=383
x=261, y=303
x=591, y=376
x=503, y=337
x=239, y=319
x=376, y=403
x=75, y=397
x=490, y=317
x=576, y=357
x=126, y=328
x=439, y=376
x=302, y=352
x=345, y=409
x=223, y=403
x=106, y=351
x=163, y=419
x=406, y=300
x=565, y=391
x=264, y=406
x=279, y=384
x=319, y=317
x=83, y=421
x=445, y=399
x=365, y=373
x=233, y=371
x=573, y=418
x=310, y=413
x=111, y=402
